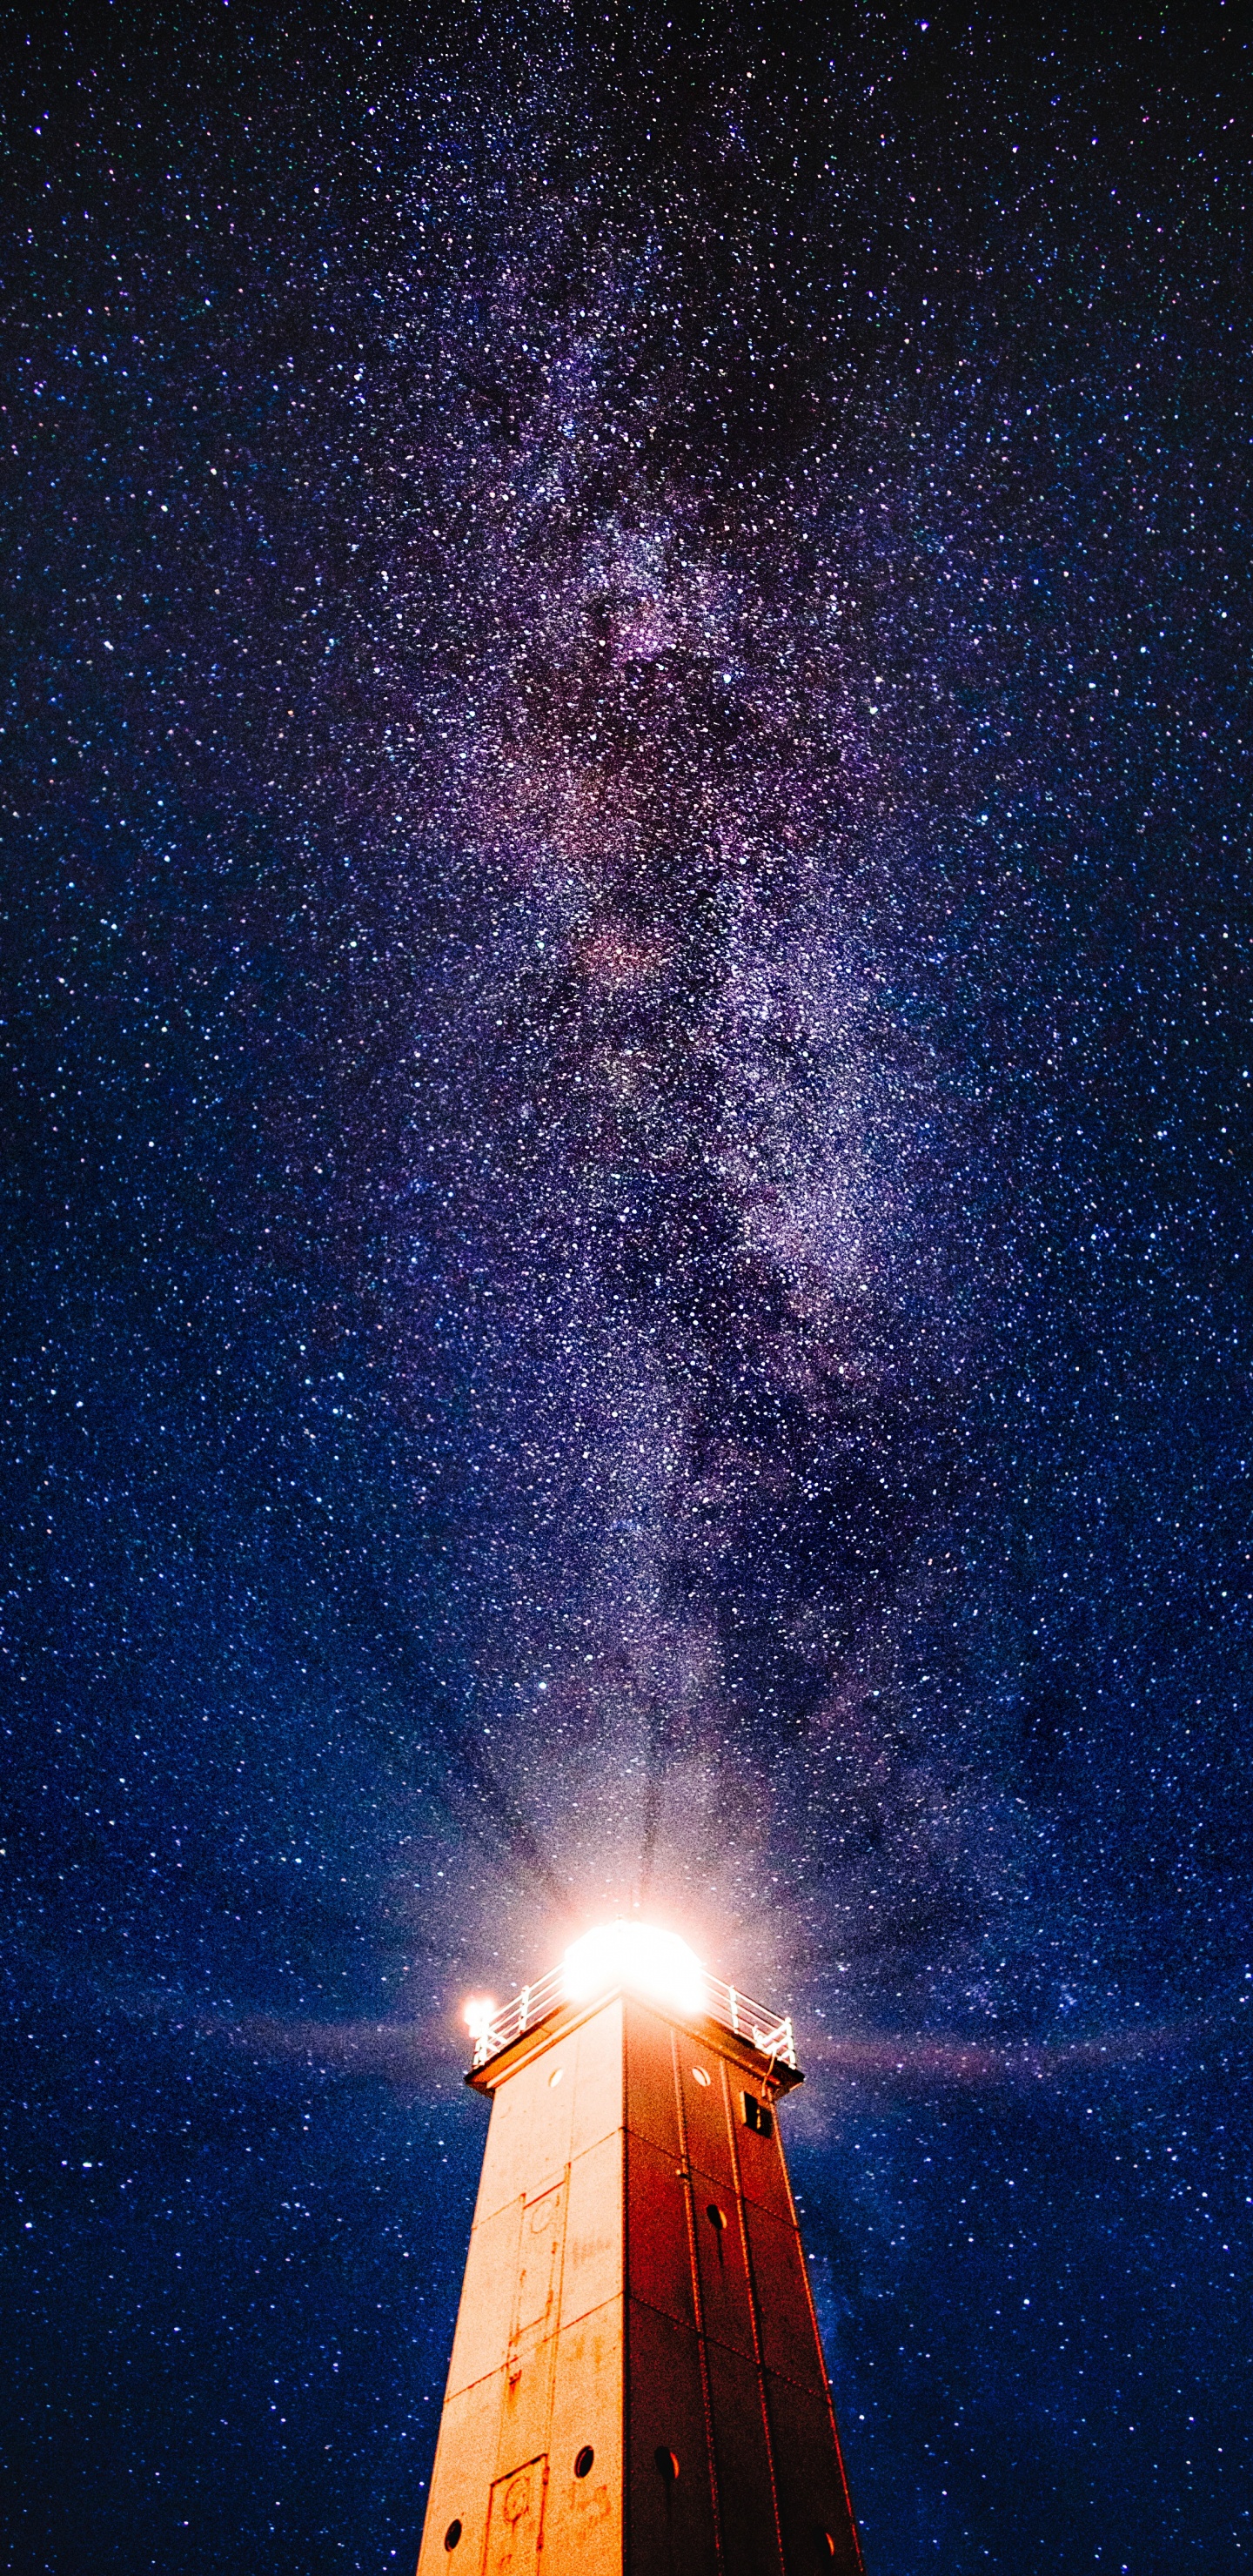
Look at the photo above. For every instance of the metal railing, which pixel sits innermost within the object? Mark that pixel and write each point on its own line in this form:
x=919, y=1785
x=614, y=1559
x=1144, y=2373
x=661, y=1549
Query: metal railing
x=765, y=2030
x=770, y=2032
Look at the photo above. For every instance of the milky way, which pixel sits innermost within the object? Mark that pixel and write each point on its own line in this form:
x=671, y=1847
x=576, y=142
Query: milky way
x=628, y=1061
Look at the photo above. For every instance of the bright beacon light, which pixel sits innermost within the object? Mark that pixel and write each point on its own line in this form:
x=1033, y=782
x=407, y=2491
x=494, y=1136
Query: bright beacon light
x=638, y=1955
x=478, y=2013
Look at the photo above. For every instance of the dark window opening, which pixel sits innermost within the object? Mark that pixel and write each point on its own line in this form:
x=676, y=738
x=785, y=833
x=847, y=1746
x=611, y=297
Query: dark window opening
x=667, y=2464
x=584, y=2460
x=452, y=2535
x=716, y=2217
x=758, y=2116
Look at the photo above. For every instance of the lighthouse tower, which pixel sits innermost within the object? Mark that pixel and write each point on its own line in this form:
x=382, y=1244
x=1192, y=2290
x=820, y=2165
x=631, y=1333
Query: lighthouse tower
x=637, y=2386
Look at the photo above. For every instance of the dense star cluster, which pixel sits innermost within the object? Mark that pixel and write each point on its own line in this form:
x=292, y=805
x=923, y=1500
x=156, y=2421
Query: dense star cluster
x=628, y=1062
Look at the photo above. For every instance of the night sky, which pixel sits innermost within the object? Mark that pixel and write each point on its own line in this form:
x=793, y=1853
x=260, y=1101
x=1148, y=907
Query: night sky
x=627, y=1070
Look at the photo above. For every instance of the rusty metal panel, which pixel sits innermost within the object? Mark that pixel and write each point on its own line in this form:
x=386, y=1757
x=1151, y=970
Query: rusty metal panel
x=527, y=2392
x=789, y=2336
x=721, y=2266
x=746, y=2508
x=486, y=2312
x=705, y=2110
x=651, y=2102
x=763, y=2175
x=670, y=2520
x=597, y=2108
x=515, y=2522
x=540, y=2242
x=809, y=2480
x=592, y=2268
x=583, y=2514
x=659, y=2257
x=528, y=2142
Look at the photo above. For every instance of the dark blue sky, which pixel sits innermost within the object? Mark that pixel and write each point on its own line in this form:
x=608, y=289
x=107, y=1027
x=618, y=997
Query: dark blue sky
x=627, y=1069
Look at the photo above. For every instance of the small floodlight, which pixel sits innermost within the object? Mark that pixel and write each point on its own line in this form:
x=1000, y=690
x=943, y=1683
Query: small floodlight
x=638, y=1955
x=478, y=2013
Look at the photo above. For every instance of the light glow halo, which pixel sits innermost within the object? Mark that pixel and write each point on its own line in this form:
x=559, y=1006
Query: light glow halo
x=641, y=1956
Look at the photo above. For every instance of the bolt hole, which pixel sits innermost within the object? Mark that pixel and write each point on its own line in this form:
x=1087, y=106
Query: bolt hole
x=452, y=2535
x=667, y=2464
x=584, y=2461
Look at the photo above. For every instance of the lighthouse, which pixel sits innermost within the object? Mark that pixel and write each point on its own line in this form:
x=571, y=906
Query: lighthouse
x=637, y=2385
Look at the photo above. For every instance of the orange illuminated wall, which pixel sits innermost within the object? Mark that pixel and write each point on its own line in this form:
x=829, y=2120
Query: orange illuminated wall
x=636, y=2386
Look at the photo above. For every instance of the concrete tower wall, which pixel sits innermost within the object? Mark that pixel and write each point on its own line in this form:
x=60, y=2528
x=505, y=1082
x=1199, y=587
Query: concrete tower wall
x=635, y=2290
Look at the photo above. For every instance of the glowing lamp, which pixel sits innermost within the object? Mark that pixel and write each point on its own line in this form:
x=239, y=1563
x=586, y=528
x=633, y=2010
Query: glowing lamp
x=638, y=1955
x=478, y=2013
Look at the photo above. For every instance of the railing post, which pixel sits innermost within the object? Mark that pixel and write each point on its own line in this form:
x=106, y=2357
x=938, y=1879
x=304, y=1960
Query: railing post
x=735, y=2023
x=524, y=2001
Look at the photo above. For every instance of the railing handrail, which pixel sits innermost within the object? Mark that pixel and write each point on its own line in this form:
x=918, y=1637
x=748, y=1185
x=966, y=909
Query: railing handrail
x=766, y=2030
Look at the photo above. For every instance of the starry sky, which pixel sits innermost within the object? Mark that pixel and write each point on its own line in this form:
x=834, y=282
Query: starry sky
x=626, y=1075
